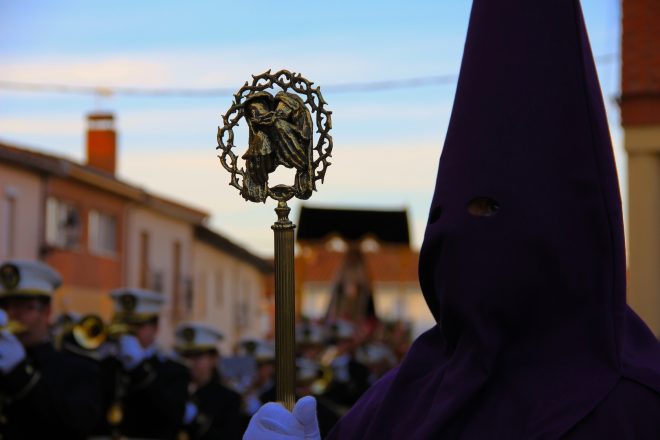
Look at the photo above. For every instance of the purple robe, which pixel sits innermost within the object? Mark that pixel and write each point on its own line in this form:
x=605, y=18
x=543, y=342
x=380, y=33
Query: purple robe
x=533, y=339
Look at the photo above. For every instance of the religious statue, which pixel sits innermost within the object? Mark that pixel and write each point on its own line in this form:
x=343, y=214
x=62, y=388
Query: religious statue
x=280, y=134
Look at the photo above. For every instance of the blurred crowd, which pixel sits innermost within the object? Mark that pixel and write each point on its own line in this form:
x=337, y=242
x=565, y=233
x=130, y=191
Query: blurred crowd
x=75, y=376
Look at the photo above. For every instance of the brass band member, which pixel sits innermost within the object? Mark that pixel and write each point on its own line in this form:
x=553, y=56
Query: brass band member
x=262, y=388
x=213, y=410
x=43, y=393
x=146, y=390
x=350, y=378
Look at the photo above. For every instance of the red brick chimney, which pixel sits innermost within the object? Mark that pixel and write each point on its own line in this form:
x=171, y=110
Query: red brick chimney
x=101, y=142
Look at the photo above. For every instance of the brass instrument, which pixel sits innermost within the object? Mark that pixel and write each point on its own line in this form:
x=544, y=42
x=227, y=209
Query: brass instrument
x=13, y=327
x=90, y=332
x=320, y=385
x=327, y=374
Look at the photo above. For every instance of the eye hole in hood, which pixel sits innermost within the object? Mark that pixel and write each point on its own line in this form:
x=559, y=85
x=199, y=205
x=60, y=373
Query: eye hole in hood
x=483, y=207
x=436, y=212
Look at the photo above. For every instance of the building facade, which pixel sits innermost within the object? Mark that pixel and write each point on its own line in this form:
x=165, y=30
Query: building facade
x=101, y=233
x=370, y=249
x=21, y=206
x=640, y=117
x=231, y=289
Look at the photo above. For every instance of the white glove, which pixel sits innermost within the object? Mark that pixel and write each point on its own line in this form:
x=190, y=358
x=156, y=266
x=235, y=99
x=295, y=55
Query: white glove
x=274, y=422
x=190, y=414
x=11, y=352
x=131, y=352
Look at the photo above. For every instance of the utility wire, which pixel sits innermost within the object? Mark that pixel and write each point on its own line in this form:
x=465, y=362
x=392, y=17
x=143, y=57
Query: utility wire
x=356, y=87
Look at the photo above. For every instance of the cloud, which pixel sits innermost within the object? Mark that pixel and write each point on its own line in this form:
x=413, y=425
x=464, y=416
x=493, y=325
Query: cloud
x=175, y=127
x=369, y=168
x=94, y=71
x=56, y=124
x=223, y=66
x=197, y=178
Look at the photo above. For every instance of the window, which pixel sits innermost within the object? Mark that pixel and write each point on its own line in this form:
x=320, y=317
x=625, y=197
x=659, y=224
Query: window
x=62, y=224
x=102, y=233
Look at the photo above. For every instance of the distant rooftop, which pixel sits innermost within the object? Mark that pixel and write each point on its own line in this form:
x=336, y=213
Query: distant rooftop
x=388, y=265
x=45, y=164
x=388, y=227
x=48, y=164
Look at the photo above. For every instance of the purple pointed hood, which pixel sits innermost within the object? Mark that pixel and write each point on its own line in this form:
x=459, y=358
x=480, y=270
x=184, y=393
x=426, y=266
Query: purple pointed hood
x=523, y=261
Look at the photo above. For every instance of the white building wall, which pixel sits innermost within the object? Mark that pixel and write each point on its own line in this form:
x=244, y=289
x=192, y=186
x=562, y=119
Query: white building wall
x=228, y=295
x=21, y=213
x=163, y=232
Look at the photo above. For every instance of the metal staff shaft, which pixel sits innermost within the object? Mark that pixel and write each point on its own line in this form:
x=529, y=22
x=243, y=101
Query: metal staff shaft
x=284, y=307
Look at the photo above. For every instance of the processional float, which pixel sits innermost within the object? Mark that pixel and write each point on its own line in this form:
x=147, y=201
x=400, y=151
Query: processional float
x=288, y=125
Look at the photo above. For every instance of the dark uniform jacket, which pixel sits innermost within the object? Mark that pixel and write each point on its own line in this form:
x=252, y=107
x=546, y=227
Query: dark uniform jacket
x=154, y=397
x=50, y=395
x=347, y=393
x=219, y=413
x=327, y=413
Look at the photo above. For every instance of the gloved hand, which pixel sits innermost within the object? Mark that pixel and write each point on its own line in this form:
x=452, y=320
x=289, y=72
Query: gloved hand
x=11, y=352
x=274, y=422
x=190, y=414
x=131, y=352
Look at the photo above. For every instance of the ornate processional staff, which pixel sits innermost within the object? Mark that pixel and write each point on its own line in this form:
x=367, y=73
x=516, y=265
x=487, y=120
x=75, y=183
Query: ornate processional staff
x=281, y=132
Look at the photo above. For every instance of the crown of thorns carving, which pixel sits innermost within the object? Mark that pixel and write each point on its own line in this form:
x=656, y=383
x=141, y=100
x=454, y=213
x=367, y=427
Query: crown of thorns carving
x=281, y=132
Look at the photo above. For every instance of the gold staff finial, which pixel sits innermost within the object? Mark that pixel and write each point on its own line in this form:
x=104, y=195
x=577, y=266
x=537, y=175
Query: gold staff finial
x=281, y=133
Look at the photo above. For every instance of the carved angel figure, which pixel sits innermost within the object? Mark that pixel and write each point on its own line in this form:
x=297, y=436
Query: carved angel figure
x=280, y=134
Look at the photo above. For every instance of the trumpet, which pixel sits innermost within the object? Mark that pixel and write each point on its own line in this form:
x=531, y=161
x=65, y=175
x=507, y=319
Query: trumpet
x=89, y=333
x=13, y=327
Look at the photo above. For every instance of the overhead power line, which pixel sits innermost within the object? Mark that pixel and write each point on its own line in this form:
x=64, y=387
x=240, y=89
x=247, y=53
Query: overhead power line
x=355, y=87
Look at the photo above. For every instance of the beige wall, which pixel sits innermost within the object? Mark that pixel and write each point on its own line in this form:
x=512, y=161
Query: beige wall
x=228, y=295
x=163, y=233
x=25, y=188
x=643, y=146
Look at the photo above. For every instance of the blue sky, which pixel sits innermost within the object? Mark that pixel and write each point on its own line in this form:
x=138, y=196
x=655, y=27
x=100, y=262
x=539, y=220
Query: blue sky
x=167, y=144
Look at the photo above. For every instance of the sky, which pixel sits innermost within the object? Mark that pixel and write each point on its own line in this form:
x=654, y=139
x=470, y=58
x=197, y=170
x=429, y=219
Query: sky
x=386, y=142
